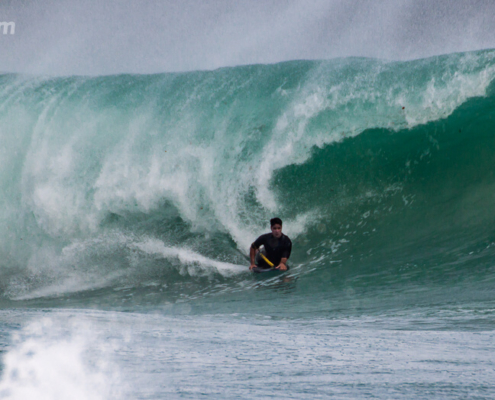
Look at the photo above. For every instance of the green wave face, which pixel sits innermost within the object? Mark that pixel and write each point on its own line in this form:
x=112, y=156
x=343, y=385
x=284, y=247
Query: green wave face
x=146, y=191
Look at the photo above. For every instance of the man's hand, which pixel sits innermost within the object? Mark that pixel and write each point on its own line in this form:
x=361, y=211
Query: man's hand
x=282, y=267
x=252, y=266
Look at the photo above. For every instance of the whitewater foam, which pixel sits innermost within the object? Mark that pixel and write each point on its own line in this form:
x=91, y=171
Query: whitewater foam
x=51, y=362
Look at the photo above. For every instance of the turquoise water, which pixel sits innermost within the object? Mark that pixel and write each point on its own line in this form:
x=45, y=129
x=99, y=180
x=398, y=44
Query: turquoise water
x=129, y=203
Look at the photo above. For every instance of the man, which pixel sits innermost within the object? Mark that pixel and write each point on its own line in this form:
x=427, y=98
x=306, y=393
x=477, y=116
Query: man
x=277, y=247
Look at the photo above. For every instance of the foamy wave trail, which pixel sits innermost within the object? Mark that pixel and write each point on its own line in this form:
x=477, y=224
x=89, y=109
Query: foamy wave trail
x=153, y=186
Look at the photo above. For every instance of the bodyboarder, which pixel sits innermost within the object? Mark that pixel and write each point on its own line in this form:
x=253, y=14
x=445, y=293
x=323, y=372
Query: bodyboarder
x=277, y=248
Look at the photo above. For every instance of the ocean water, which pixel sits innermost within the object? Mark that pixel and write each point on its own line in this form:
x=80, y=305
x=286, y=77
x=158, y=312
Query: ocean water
x=129, y=202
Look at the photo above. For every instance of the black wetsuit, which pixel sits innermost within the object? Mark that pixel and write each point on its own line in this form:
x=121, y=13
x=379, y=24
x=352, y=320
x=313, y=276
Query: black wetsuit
x=275, y=249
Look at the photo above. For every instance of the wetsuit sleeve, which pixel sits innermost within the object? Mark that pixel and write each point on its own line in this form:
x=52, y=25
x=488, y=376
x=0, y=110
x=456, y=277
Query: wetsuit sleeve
x=287, y=249
x=258, y=242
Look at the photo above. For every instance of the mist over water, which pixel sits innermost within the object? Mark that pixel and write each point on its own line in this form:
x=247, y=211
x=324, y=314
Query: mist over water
x=94, y=38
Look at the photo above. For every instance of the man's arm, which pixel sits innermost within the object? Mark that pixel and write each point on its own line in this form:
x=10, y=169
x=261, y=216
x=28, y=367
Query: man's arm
x=283, y=265
x=285, y=255
x=252, y=255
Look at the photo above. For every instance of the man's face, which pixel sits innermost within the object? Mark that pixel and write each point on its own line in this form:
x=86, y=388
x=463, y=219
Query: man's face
x=277, y=230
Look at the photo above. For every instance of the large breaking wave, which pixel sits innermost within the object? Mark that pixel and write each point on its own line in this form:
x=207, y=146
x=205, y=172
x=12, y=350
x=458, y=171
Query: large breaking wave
x=148, y=189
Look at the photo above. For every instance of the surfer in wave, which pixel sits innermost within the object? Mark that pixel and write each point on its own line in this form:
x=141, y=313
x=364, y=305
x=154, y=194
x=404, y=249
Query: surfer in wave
x=277, y=249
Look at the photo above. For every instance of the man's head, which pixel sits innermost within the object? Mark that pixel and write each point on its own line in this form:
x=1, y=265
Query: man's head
x=276, y=225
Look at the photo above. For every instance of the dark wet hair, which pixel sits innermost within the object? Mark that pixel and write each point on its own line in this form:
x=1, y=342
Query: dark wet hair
x=275, y=221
